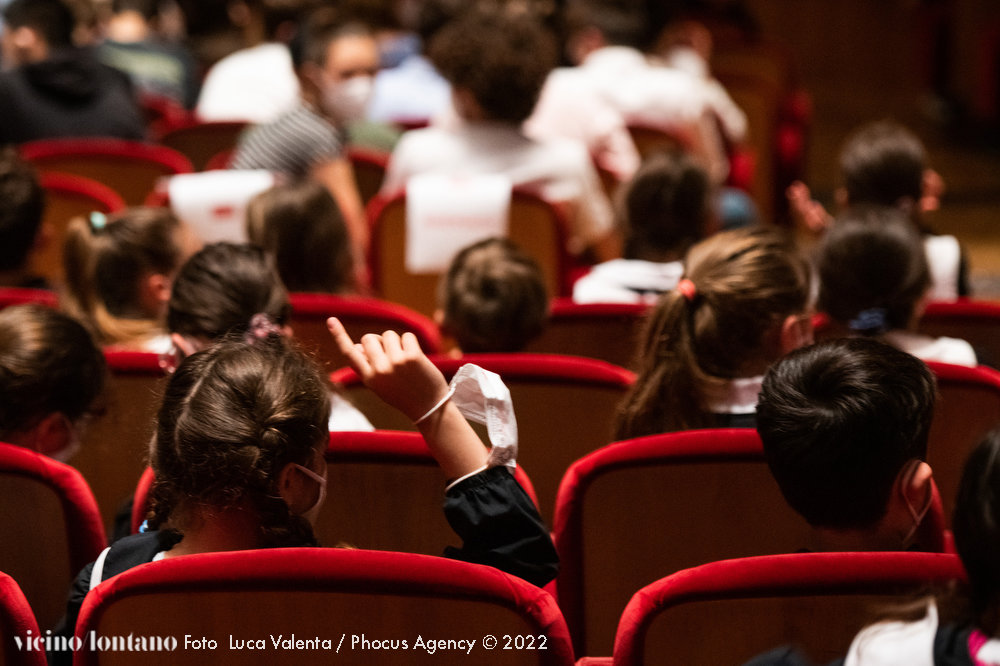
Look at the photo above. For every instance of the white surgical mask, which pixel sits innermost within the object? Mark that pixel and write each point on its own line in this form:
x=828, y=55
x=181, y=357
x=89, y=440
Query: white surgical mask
x=312, y=512
x=481, y=396
x=347, y=100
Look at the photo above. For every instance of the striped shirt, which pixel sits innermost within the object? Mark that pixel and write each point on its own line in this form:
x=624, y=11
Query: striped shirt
x=291, y=145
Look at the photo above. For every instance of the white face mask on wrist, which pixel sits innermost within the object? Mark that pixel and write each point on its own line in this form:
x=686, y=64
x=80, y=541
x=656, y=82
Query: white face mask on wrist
x=347, y=100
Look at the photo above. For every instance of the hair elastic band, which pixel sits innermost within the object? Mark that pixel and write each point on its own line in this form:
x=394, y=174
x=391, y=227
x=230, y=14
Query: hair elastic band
x=439, y=405
x=687, y=289
x=98, y=220
x=872, y=319
x=261, y=327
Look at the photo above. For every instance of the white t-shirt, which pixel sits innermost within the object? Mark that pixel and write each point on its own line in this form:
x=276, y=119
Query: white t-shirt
x=627, y=281
x=559, y=170
x=927, y=348
x=257, y=85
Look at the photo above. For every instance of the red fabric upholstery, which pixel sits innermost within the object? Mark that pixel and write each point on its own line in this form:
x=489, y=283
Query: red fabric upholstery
x=67, y=196
x=703, y=495
x=391, y=450
x=976, y=322
x=199, y=140
x=818, y=578
x=16, y=619
x=103, y=198
x=44, y=149
x=130, y=168
x=51, y=527
x=968, y=406
x=18, y=296
x=84, y=531
x=359, y=315
x=369, y=170
x=325, y=593
x=605, y=331
x=115, y=445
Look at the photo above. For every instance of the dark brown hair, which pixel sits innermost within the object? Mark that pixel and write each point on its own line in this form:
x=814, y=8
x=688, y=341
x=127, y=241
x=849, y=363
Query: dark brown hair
x=232, y=417
x=494, y=297
x=300, y=226
x=48, y=364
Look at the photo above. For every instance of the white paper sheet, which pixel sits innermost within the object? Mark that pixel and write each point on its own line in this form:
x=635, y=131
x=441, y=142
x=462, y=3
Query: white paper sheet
x=445, y=213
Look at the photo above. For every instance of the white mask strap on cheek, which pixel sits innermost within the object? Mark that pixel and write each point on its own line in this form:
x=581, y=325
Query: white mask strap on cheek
x=311, y=513
x=917, y=515
x=481, y=396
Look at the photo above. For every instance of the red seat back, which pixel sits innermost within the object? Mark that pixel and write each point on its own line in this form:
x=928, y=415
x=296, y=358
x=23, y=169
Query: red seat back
x=563, y=404
x=699, y=496
x=727, y=612
x=51, y=527
x=330, y=599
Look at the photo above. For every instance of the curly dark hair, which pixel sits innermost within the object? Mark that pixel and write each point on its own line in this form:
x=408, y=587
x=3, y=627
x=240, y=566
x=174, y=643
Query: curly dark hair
x=232, y=417
x=501, y=58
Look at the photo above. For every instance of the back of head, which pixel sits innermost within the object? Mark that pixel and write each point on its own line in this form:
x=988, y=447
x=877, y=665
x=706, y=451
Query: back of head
x=873, y=270
x=106, y=260
x=321, y=28
x=501, y=58
x=232, y=417
x=22, y=203
x=839, y=420
x=301, y=227
x=219, y=290
x=148, y=9
x=493, y=297
x=620, y=24
x=48, y=364
x=976, y=524
x=744, y=284
x=664, y=208
x=883, y=163
x=52, y=20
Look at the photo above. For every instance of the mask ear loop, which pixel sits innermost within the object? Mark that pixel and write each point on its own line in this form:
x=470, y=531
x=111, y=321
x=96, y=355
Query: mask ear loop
x=917, y=515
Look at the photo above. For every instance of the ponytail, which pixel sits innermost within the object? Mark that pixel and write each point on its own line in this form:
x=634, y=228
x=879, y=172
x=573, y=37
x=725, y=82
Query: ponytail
x=739, y=285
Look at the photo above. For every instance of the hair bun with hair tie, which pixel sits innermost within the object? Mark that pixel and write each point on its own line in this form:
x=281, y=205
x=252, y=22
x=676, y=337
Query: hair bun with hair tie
x=687, y=289
x=261, y=327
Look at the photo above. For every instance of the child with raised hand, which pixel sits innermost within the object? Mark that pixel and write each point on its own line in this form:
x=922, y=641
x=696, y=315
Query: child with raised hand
x=498, y=523
x=238, y=460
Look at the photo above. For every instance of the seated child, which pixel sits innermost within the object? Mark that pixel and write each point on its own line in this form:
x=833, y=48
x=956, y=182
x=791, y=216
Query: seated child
x=228, y=289
x=238, y=458
x=662, y=212
x=493, y=298
x=875, y=282
x=744, y=303
x=300, y=226
x=966, y=634
x=118, y=274
x=844, y=424
x=51, y=375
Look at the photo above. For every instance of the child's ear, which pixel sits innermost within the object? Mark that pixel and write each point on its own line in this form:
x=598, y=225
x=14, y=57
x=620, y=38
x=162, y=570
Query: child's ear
x=931, y=189
x=796, y=331
x=916, y=485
